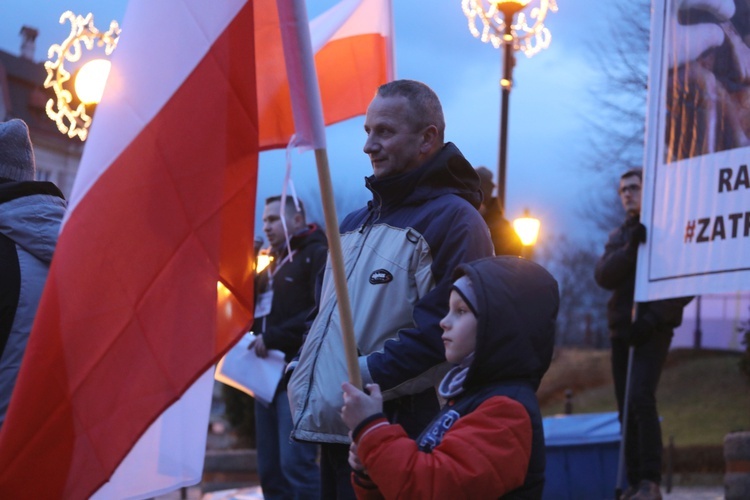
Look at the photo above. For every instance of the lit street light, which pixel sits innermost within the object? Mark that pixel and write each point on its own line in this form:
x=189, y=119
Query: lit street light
x=90, y=80
x=528, y=34
x=527, y=229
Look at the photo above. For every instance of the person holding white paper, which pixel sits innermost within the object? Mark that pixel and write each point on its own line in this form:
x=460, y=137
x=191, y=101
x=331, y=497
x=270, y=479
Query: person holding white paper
x=284, y=296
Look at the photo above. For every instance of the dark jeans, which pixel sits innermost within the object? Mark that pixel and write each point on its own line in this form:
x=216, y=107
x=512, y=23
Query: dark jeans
x=335, y=473
x=643, y=444
x=287, y=469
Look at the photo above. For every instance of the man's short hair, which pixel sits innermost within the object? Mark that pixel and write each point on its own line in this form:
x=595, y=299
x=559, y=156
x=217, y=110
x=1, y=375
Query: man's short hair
x=425, y=106
x=637, y=172
x=291, y=208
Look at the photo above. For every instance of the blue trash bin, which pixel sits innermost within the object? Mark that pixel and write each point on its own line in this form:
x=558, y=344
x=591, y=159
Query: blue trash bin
x=582, y=453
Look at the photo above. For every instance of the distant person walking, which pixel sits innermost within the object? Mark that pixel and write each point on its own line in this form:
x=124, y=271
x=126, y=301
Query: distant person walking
x=285, y=295
x=504, y=238
x=30, y=216
x=650, y=335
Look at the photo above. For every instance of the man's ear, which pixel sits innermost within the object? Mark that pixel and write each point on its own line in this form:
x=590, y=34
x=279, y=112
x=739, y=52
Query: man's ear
x=299, y=221
x=429, y=139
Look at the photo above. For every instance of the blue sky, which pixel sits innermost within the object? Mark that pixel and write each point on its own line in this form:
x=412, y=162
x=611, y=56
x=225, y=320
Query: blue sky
x=547, y=130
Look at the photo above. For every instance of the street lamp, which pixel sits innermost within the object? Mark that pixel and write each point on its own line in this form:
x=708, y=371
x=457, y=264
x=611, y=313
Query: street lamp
x=527, y=229
x=91, y=80
x=528, y=34
x=83, y=34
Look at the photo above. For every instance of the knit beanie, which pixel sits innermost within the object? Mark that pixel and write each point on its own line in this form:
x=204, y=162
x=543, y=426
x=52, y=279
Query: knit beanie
x=16, y=156
x=465, y=289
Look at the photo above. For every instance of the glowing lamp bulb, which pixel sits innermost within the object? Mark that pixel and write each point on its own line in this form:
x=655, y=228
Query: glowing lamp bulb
x=527, y=229
x=264, y=260
x=91, y=79
x=510, y=7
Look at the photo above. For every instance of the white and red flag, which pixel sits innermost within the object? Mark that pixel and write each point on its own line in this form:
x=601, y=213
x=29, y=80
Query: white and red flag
x=152, y=279
x=353, y=46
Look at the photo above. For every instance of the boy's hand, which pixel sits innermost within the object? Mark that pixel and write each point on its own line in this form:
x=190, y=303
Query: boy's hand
x=358, y=405
x=354, y=461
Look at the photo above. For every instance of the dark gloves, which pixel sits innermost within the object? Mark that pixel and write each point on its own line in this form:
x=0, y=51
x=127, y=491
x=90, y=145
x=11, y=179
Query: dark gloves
x=639, y=332
x=638, y=235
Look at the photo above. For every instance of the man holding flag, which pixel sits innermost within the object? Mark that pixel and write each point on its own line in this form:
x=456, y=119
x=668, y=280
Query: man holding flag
x=401, y=249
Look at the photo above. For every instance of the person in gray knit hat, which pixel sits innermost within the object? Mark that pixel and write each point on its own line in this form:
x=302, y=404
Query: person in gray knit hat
x=16, y=155
x=30, y=217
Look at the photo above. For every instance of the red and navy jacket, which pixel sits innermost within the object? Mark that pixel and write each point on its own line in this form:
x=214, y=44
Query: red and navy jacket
x=487, y=442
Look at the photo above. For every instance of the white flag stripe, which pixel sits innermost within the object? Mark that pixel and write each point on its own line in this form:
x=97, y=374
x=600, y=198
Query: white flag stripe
x=160, y=45
x=323, y=27
x=303, y=82
x=171, y=450
x=370, y=17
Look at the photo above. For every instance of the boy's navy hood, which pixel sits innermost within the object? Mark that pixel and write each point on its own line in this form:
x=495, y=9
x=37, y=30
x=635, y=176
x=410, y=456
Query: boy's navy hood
x=517, y=303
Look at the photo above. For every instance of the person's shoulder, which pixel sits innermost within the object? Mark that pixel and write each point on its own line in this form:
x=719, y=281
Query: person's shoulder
x=452, y=204
x=15, y=190
x=354, y=219
x=454, y=209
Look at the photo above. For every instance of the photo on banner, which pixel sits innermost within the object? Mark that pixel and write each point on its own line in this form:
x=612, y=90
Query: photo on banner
x=696, y=199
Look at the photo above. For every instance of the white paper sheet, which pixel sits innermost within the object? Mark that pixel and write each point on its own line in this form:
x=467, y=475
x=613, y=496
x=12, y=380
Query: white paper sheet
x=243, y=370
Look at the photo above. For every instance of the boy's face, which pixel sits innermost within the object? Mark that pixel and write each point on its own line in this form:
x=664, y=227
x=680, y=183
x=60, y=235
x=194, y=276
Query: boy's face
x=459, y=330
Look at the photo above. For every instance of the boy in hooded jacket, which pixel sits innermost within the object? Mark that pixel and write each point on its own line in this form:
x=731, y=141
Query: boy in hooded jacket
x=488, y=440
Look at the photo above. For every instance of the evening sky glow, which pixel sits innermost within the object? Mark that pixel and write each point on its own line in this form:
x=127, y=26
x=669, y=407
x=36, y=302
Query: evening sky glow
x=550, y=98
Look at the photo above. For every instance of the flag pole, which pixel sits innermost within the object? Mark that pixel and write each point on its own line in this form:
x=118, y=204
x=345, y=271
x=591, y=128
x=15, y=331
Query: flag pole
x=337, y=263
x=308, y=120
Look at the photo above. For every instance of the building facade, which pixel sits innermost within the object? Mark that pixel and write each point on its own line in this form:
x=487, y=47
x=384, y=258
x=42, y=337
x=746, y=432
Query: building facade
x=22, y=95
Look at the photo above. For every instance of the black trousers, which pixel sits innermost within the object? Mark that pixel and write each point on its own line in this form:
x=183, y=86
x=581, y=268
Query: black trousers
x=643, y=443
x=335, y=473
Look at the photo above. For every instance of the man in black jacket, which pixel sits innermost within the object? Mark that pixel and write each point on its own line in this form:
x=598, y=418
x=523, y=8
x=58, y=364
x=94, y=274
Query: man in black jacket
x=284, y=296
x=650, y=335
x=504, y=237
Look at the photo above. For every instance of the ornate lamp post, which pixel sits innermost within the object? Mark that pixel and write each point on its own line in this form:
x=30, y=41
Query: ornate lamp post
x=493, y=21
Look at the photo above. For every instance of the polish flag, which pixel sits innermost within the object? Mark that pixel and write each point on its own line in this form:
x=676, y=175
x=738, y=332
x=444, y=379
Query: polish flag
x=359, y=52
x=353, y=46
x=152, y=280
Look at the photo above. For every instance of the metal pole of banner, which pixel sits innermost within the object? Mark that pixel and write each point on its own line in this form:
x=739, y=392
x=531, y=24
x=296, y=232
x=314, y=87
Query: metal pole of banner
x=624, y=429
x=625, y=412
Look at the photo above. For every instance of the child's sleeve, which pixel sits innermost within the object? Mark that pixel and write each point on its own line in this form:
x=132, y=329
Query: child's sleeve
x=485, y=454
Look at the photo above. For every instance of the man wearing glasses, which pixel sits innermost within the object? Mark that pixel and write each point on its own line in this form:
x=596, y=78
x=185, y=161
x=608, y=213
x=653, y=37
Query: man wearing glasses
x=649, y=333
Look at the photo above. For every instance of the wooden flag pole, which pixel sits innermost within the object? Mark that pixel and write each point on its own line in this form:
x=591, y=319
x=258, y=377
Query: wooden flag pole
x=339, y=272
x=308, y=120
